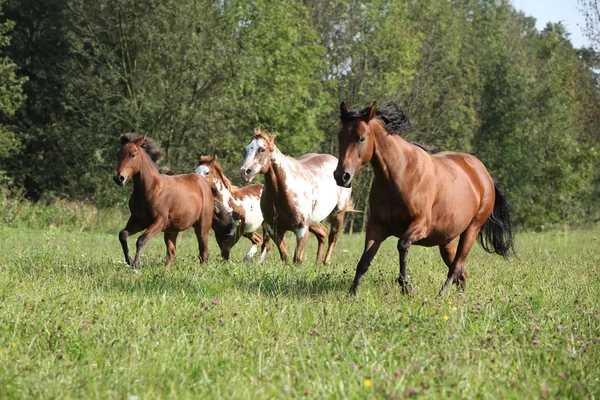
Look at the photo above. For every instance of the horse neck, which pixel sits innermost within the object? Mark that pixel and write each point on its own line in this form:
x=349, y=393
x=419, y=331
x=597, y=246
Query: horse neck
x=277, y=173
x=224, y=192
x=147, y=177
x=393, y=155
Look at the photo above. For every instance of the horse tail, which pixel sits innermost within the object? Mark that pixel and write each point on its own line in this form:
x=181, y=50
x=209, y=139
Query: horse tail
x=497, y=235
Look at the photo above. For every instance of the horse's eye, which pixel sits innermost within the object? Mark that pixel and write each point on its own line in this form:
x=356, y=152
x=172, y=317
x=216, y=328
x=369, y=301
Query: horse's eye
x=362, y=139
x=261, y=150
x=132, y=155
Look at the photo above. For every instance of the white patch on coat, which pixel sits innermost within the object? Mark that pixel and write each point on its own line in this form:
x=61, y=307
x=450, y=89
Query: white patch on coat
x=300, y=232
x=202, y=170
x=250, y=253
x=250, y=159
x=262, y=256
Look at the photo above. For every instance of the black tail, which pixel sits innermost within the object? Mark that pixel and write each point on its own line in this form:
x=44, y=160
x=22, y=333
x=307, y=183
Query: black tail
x=497, y=234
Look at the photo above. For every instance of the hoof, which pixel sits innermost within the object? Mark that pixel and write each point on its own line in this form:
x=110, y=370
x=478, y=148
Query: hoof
x=405, y=287
x=352, y=291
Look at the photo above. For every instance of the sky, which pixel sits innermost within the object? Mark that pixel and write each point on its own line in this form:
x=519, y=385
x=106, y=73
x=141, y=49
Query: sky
x=567, y=11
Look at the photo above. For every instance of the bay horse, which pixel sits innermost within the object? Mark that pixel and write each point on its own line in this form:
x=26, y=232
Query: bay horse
x=160, y=203
x=242, y=204
x=298, y=195
x=422, y=199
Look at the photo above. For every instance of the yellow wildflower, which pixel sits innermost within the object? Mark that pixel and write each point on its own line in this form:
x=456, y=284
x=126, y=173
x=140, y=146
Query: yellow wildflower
x=453, y=308
x=446, y=317
x=367, y=382
x=14, y=344
x=449, y=303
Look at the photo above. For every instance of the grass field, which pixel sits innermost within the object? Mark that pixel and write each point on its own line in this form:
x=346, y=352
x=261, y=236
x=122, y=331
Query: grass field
x=76, y=322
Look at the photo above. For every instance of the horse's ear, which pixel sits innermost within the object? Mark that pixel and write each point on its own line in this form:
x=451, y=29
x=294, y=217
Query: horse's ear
x=215, y=157
x=372, y=112
x=272, y=142
x=123, y=138
x=141, y=140
x=344, y=108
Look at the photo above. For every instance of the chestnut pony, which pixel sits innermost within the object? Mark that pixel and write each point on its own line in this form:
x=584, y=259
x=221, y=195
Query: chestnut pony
x=161, y=203
x=447, y=199
x=242, y=206
x=298, y=195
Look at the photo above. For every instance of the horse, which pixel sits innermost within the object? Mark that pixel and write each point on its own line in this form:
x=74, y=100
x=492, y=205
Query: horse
x=446, y=199
x=160, y=203
x=298, y=195
x=241, y=204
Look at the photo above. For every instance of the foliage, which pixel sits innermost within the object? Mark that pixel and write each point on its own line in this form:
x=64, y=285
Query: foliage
x=75, y=322
x=199, y=76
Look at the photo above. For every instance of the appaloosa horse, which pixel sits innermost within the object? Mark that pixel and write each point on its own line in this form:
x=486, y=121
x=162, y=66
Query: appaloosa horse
x=298, y=194
x=423, y=199
x=161, y=203
x=241, y=204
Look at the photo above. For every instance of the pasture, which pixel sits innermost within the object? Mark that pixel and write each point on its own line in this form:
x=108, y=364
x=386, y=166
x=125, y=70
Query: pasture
x=76, y=322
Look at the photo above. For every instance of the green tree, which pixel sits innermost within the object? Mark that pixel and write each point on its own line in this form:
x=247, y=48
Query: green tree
x=11, y=98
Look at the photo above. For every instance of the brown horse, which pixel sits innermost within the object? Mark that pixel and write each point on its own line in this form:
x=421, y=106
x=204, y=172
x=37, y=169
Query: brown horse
x=423, y=199
x=298, y=194
x=241, y=204
x=161, y=203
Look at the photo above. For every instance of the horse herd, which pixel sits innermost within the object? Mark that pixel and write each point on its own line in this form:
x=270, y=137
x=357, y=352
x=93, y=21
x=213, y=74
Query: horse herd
x=446, y=199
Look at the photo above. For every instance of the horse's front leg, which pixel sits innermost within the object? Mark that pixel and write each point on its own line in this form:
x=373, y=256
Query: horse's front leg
x=301, y=240
x=131, y=228
x=375, y=236
x=416, y=231
x=278, y=235
x=266, y=245
x=153, y=230
x=256, y=240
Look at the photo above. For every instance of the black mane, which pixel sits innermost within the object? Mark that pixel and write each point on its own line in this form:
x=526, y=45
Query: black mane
x=392, y=116
x=150, y=147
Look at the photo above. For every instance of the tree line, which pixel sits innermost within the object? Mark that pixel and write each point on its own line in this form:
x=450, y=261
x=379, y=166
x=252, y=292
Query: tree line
x=198, y=76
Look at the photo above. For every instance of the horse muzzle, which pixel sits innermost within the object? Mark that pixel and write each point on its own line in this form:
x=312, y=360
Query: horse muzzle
x=119, y=179
x=247, y=174
x=343, y=178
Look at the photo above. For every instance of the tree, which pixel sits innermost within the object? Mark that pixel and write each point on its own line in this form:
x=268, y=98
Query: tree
x=11, y=98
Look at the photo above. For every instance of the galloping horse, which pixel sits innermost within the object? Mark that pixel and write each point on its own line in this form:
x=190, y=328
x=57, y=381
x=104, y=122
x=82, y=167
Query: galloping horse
x=241, y=204
x=161, y=203
x=423, y=199
x=298, y=194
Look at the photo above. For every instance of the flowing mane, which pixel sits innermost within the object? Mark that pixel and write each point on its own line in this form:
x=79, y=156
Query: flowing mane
x=393, y=118
x=156, y=153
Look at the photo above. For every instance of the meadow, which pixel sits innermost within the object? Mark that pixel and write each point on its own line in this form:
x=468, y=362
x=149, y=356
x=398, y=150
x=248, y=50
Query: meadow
x=75, y=322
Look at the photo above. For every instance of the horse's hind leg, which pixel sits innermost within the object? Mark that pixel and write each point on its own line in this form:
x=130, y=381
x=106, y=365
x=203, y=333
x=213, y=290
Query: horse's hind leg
x=256, y=240
x=336, y=222
x=131, y=228
x=456, y=271
x=171, y=243
x=321, y=233
x=202, y=228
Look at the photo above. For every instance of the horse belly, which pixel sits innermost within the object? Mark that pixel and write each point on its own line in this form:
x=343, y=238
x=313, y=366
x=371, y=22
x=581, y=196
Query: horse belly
x=254, y=217
x=326, y=200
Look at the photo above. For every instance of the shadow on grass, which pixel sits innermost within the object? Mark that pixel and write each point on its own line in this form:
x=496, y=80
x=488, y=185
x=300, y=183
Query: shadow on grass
x=300, y=286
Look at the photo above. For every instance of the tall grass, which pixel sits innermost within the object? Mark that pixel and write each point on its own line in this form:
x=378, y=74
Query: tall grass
x=77, y=216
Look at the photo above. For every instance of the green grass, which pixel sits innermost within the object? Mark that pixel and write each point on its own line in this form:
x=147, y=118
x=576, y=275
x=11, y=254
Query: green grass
x=76, y=322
